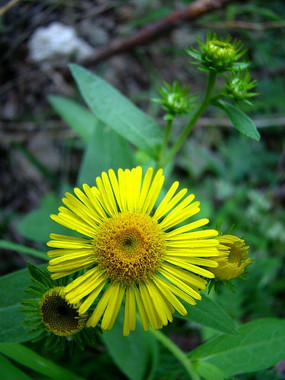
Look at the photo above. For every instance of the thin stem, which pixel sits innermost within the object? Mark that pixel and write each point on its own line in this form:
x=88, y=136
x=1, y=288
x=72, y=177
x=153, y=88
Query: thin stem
x=175, y=350
x=210, y=85
x=165, y=141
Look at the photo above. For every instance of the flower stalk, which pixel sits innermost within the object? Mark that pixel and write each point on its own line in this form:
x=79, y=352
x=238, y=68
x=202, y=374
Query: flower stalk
x=165, y=140
x=206, y=100
x=179, y=354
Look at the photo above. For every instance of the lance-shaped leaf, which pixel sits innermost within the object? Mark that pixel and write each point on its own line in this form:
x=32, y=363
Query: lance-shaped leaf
x=117, y=112
x=82, y=121
x=240, y=120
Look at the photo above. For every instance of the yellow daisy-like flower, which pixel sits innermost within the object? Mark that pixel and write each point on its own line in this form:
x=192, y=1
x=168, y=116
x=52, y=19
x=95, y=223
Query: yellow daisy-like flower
x=132, y=250
x=234, y=264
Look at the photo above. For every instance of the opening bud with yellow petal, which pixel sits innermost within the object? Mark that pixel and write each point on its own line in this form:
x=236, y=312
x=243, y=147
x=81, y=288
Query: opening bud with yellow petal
x=233, y=264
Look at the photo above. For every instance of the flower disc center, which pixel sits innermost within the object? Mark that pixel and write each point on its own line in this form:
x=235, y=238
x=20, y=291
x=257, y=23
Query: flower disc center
x=129, y=246
x=58, y=316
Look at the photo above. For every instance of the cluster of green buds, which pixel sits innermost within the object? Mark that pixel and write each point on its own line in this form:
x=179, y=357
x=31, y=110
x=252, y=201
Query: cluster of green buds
x=175, y=100
x=218, y=55
x=239, y=86
x=222, y=57
x=52, y=317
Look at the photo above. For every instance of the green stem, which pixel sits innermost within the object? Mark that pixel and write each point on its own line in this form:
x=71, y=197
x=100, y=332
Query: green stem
x=165, y=141
x=210, y=85
x=175, y=350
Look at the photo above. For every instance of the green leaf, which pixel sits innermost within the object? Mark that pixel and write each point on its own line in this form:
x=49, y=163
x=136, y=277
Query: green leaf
x=208, y=371
x=210, y=314
x=37, y=363
x=12, y=327
x=116, y=111
x=260, y=345
x=37, y=225
x=9, y=371
x=13, y=286
x=240, y=120
x=77, y=117
x=23, y=250
x=135, y=355
x=12, y=292
x=106, y=150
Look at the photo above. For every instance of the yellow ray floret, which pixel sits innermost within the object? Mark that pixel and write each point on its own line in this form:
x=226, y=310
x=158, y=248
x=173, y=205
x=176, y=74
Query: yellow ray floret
x=132, y=249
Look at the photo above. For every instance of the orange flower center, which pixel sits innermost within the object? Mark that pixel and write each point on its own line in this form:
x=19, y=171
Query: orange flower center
x=129, y=246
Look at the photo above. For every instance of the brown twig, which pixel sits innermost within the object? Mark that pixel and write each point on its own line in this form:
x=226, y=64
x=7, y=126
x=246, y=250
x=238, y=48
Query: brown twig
x=11, y=132
x=7, y=6
x=242, y=25
x=260, y=123
x=153, y=30
x=23, y=131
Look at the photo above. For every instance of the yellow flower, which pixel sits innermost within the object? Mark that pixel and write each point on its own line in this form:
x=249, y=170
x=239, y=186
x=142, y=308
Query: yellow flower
x=58, y=315
x=132, y=250
x=234, y=264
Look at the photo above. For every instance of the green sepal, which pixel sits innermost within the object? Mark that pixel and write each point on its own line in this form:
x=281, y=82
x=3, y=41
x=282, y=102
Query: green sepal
x=30, y=302
x=240, y=66
x=36, y=328
x=39, y=276
x=40, y=337
x=89, y=334
x=31, y=322
x=36, y=291
x=79, y=341
x=194, y=54
x=211, y=285
x=217, y=285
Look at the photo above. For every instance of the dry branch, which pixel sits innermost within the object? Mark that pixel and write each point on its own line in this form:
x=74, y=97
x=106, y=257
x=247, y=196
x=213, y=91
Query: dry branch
x=236, y=24
x=23, y=131
x=153, y=30
x=7, y=6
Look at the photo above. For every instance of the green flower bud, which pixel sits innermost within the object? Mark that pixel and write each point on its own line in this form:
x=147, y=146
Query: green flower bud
x=218, y=55
x=175, y=99
x=239, y=86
